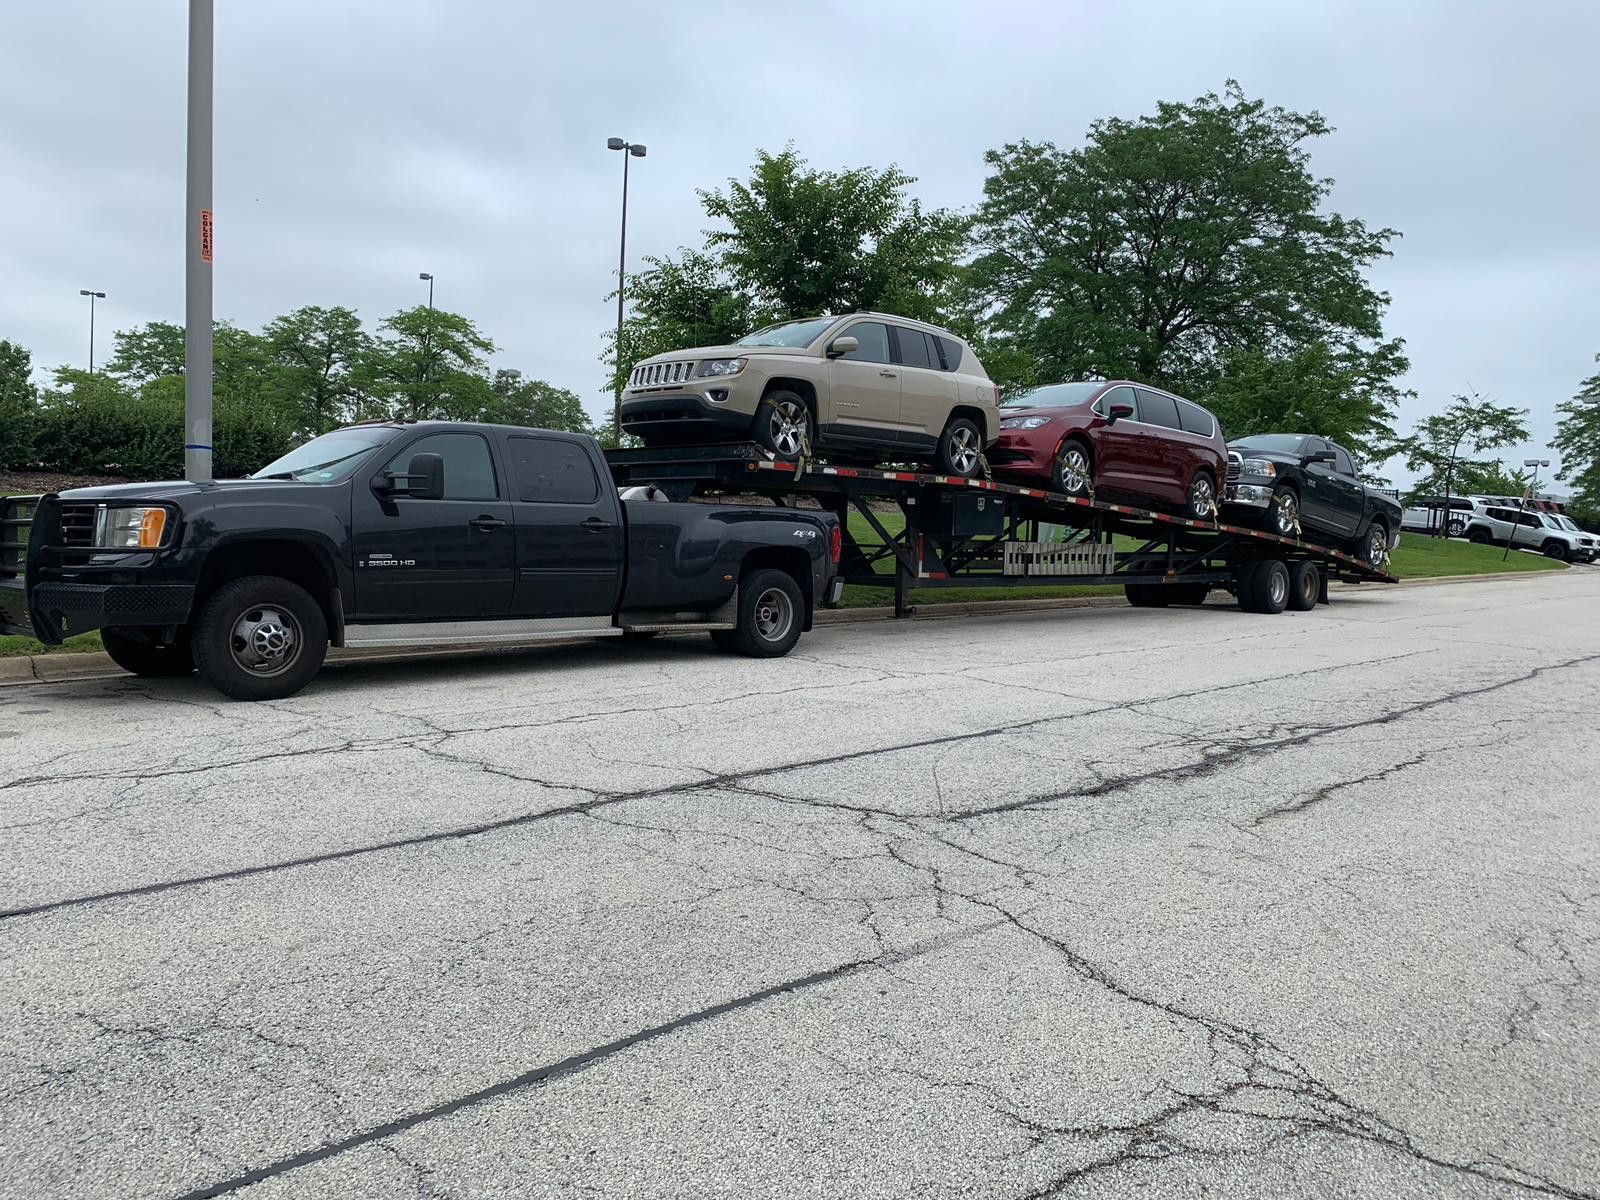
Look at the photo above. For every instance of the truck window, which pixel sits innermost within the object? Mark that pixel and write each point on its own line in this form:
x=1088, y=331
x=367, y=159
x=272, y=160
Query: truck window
x=468, y=469
x=549, y=471
x=1342, y=462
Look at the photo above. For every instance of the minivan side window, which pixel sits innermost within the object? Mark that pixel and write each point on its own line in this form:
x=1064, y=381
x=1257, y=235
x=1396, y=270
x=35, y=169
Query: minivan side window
x=468, y=469
x=1156, y=409
x=1117, y=395
x=914, y=349
x=550, y=471
x=874, y=339
x=1195, y=419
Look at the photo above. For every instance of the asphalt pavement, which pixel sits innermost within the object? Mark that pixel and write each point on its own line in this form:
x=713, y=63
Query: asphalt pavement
x=1090, y=903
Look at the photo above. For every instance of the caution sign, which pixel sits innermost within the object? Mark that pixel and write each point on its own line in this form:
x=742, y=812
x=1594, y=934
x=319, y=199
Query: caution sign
x=206, y=242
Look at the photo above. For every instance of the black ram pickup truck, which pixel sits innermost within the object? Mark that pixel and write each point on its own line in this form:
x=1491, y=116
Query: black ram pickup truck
x=1306, y=487
x=427, y=533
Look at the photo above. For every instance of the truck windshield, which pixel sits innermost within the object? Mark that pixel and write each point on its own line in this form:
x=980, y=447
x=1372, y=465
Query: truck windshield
x=790, y=333
x=1272, y=443
x=331, y=458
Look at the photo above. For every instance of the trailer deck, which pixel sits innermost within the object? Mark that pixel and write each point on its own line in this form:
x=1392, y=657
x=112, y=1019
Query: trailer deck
x=960, y=532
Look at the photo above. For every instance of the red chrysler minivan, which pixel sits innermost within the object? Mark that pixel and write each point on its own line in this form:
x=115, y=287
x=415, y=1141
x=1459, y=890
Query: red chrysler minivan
x=1130, y=440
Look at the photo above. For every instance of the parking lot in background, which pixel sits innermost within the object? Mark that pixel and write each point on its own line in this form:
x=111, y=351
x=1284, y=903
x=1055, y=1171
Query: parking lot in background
x=1089, y=903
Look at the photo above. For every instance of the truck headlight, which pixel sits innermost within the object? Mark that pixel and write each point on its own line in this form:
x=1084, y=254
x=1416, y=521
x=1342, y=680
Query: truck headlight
x=1258, y=466
x=722, y=366
x=140, y=527
x=1024, y=422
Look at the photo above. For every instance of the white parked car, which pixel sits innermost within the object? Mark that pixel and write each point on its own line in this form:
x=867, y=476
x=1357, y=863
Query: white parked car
x=1527, y=529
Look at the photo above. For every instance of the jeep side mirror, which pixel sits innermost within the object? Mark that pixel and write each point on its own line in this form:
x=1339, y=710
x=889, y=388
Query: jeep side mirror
x=423, y=479
x=1117, y=412
x=840, y=346
x=1316, y=456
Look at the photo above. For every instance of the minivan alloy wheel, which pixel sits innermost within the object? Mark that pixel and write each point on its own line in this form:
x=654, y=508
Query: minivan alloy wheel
x=1074, y=470
x=1202, y=497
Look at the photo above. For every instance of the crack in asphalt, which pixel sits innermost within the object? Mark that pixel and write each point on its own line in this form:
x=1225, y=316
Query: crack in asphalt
x=573, y=1064
x=1215, y=756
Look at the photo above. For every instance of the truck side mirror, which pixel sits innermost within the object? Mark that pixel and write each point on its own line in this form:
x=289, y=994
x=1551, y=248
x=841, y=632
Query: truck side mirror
x=423, y=479
x=1316, y=456
x=840, y=346
x=1117, y=412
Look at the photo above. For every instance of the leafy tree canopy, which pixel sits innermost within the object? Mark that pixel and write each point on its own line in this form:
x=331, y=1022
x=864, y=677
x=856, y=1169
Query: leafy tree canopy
x=1577, y=440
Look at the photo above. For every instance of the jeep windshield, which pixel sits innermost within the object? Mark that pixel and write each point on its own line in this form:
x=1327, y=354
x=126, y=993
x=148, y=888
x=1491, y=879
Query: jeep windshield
x=790, y=333
x=331, y=458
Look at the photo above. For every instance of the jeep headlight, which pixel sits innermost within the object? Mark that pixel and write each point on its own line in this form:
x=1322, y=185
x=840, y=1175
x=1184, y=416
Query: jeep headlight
x=1258, y=466
x=1024, y=422
x=719, y=367
x=137, y=527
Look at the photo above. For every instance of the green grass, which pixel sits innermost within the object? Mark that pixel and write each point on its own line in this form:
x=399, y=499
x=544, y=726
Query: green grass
x=15, y=647
x=1422, y=557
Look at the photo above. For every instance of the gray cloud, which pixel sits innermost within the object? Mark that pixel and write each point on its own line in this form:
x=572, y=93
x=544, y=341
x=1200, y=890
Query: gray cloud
x=360, y=143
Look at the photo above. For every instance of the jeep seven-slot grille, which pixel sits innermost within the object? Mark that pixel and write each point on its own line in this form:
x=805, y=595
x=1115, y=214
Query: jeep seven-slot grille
x=77, y=524
x=1234, y=459
x=656, y=374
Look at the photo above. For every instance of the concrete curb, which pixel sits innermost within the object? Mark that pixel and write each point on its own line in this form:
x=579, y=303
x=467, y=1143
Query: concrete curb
x=64, y=668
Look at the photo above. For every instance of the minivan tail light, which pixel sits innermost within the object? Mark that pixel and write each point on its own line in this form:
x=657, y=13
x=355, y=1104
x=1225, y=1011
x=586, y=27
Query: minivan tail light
x=836, y=544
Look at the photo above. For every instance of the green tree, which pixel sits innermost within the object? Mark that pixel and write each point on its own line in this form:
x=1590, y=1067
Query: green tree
x=1438, y=447
x=432, y=363
x=147, y=352
x=792, y=241
x=316, y=352
x=533, y=402
x=18, y=401
x=1169, y=245
x=1577, y=440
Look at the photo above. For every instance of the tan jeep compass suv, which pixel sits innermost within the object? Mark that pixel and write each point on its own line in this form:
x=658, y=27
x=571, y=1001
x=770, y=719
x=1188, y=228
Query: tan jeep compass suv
x=867, y=387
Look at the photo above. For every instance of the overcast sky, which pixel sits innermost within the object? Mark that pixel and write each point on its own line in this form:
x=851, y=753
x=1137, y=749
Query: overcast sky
x=358, y=143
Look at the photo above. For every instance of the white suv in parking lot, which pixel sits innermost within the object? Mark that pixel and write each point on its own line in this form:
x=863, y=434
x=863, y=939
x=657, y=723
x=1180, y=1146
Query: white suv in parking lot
x=1527, y=529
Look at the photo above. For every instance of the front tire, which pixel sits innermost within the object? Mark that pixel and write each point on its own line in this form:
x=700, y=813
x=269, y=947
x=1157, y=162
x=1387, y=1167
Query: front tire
x=1283, y=514
x=1557, y=550
x=1374, y=547
x=137, y=654
x=783, y=424
x=960, y=448
x=1073, y=473
x=771, y=616
x=260, y=638
x=1203, y=497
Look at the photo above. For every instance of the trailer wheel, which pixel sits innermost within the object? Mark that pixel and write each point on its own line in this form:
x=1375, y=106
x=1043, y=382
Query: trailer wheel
x=260, y=638
x=135, y=652
x=1147, y=595
x=1305, y=585
x=1244, y=585
x=1188, y=593
x=1269, y=586
x=771, y=613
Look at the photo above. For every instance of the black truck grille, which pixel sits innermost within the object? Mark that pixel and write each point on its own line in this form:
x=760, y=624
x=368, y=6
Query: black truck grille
x=1234, y=459
x=77, y=525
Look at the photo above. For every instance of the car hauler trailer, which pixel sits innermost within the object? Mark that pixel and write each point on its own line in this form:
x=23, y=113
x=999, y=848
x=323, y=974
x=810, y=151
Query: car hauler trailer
x=960, y=532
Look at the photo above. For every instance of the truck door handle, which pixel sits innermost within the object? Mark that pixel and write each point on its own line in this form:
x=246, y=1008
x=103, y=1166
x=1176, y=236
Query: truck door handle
x=596, y=525
x=484, y=524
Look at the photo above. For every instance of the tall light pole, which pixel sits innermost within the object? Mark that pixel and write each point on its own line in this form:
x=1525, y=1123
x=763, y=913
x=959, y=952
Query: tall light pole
x=629, y=151
x=427, y=333
x=1535, y=463
x=93, y=296
x=198, y=246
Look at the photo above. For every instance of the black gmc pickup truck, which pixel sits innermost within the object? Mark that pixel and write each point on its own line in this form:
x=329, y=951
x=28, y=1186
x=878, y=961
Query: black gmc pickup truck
x=401, y=534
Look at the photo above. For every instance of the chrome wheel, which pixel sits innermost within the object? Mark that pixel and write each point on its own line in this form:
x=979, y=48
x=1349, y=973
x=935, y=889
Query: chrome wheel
x=1377, y=546
x=1202, y=497
x=1073, y=469
x=786, y=427
x=774, y=615
x=1286, y=514
x=265, y=641
x=1279, y=585
x=964, y=450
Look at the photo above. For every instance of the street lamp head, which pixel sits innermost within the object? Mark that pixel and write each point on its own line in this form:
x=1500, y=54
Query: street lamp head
x=424, y=275
x=636, y=151
x=87, y=292
x=616, y=144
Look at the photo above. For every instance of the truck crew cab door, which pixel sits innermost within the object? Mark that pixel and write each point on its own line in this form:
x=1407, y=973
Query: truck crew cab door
x=434, y=560
x=1347, y=492
x=1319, y=493
x=569, y=528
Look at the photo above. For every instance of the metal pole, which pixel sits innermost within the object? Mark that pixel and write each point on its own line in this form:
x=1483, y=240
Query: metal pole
x=622, y=263
x=197, y=236
x=91, y=333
